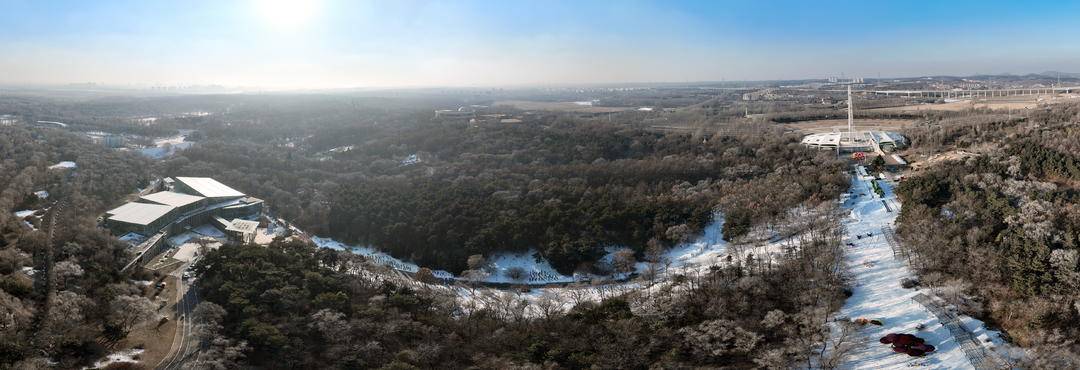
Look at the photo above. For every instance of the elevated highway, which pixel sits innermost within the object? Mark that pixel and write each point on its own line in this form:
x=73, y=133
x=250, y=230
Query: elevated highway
x=981, y=93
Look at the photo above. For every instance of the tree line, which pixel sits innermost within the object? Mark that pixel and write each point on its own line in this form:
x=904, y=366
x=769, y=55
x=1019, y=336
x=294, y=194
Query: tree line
x=998, y=234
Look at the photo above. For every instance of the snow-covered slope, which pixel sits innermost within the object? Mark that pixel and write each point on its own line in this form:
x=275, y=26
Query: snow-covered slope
x=877, y=293
x=703, y=251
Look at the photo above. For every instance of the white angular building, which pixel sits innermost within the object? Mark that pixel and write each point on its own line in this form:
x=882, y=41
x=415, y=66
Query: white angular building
x=857, y=141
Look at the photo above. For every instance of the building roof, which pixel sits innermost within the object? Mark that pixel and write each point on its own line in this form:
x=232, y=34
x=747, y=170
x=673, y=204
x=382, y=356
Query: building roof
x=121, y=209
x=857, y=139
x=170, y=198
x=209, y=187
x=139, y=213
x=243, y=226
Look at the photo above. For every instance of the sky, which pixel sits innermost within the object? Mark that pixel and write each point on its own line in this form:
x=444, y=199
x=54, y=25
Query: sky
x=414, y=43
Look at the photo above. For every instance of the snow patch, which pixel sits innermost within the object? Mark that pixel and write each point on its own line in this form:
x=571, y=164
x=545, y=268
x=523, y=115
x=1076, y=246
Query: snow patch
x=369, y=252
x=535, y=269
x=63, y=165
x=209, y=230
x=128, y=356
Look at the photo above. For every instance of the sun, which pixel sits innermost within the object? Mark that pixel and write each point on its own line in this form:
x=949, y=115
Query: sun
x=287, y=14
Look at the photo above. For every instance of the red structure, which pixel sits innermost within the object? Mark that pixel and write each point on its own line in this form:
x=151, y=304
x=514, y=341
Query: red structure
x=907, y=343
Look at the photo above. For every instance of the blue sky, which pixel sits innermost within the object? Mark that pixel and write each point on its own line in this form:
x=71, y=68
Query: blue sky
x=357, y=43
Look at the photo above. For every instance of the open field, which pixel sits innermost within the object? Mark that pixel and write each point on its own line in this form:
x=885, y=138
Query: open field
x=566, y=106
x=1008, y=102
x=830, y=125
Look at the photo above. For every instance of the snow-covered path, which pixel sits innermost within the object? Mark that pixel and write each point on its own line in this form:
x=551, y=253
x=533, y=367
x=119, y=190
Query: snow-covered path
x=877, y=293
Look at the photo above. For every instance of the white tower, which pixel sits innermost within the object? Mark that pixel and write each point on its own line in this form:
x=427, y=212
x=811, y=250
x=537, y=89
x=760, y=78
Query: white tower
x=850, y=114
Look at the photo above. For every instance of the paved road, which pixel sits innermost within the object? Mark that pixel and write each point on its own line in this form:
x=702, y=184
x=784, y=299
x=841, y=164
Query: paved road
x=183, y=348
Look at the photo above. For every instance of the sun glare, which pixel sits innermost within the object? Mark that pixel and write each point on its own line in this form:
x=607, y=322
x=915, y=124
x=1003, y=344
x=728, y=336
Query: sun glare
x=287, y=14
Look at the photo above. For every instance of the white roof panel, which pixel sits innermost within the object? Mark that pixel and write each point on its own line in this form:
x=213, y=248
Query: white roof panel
x=243, y=226
x=122, y=209
x=209, y=187
x=139, y=213
x=170, y=198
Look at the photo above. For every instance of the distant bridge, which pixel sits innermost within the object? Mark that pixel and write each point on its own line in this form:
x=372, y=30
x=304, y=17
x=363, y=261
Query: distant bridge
x=984, y=93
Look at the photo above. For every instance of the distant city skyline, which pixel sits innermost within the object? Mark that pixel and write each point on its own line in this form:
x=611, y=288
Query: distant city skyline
x=295, y=44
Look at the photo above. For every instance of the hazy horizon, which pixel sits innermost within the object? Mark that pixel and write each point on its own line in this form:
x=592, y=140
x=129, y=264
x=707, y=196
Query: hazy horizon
x=320, y=44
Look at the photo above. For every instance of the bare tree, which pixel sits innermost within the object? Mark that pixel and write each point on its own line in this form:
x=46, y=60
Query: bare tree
x=127, y=312
x=624, y=261
x=477, y=262
x=834, y=350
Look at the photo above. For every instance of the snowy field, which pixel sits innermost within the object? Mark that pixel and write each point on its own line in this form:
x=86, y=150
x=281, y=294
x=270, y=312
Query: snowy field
x=877, y=293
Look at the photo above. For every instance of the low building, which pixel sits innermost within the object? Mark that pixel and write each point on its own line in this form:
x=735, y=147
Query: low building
x=106, y=139
x=140, y=218
x=191, y=202
x=242, y=231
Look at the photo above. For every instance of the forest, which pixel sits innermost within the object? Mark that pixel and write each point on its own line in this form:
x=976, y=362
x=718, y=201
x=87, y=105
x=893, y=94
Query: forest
x=999, y=232
x=564, y=187
x=290, y=305
x=86, y=302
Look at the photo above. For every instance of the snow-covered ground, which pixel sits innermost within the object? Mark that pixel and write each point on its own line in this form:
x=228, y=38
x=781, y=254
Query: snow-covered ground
x=127, y=356
x=689, y=258
x=168, y=146
x=189, y=250
x=24, y=213
x=182, y=238
x=209, y=230
x=708, y=249
x=375, y=256
x=877, y=294
x=536, y=270
x=63, y=165
x=133, y=239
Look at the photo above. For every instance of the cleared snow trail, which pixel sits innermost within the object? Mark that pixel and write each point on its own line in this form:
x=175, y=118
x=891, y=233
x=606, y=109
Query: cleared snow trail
x=877, y=294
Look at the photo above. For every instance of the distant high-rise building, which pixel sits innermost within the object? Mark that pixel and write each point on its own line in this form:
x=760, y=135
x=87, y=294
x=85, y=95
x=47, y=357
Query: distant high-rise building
x=8, y=120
